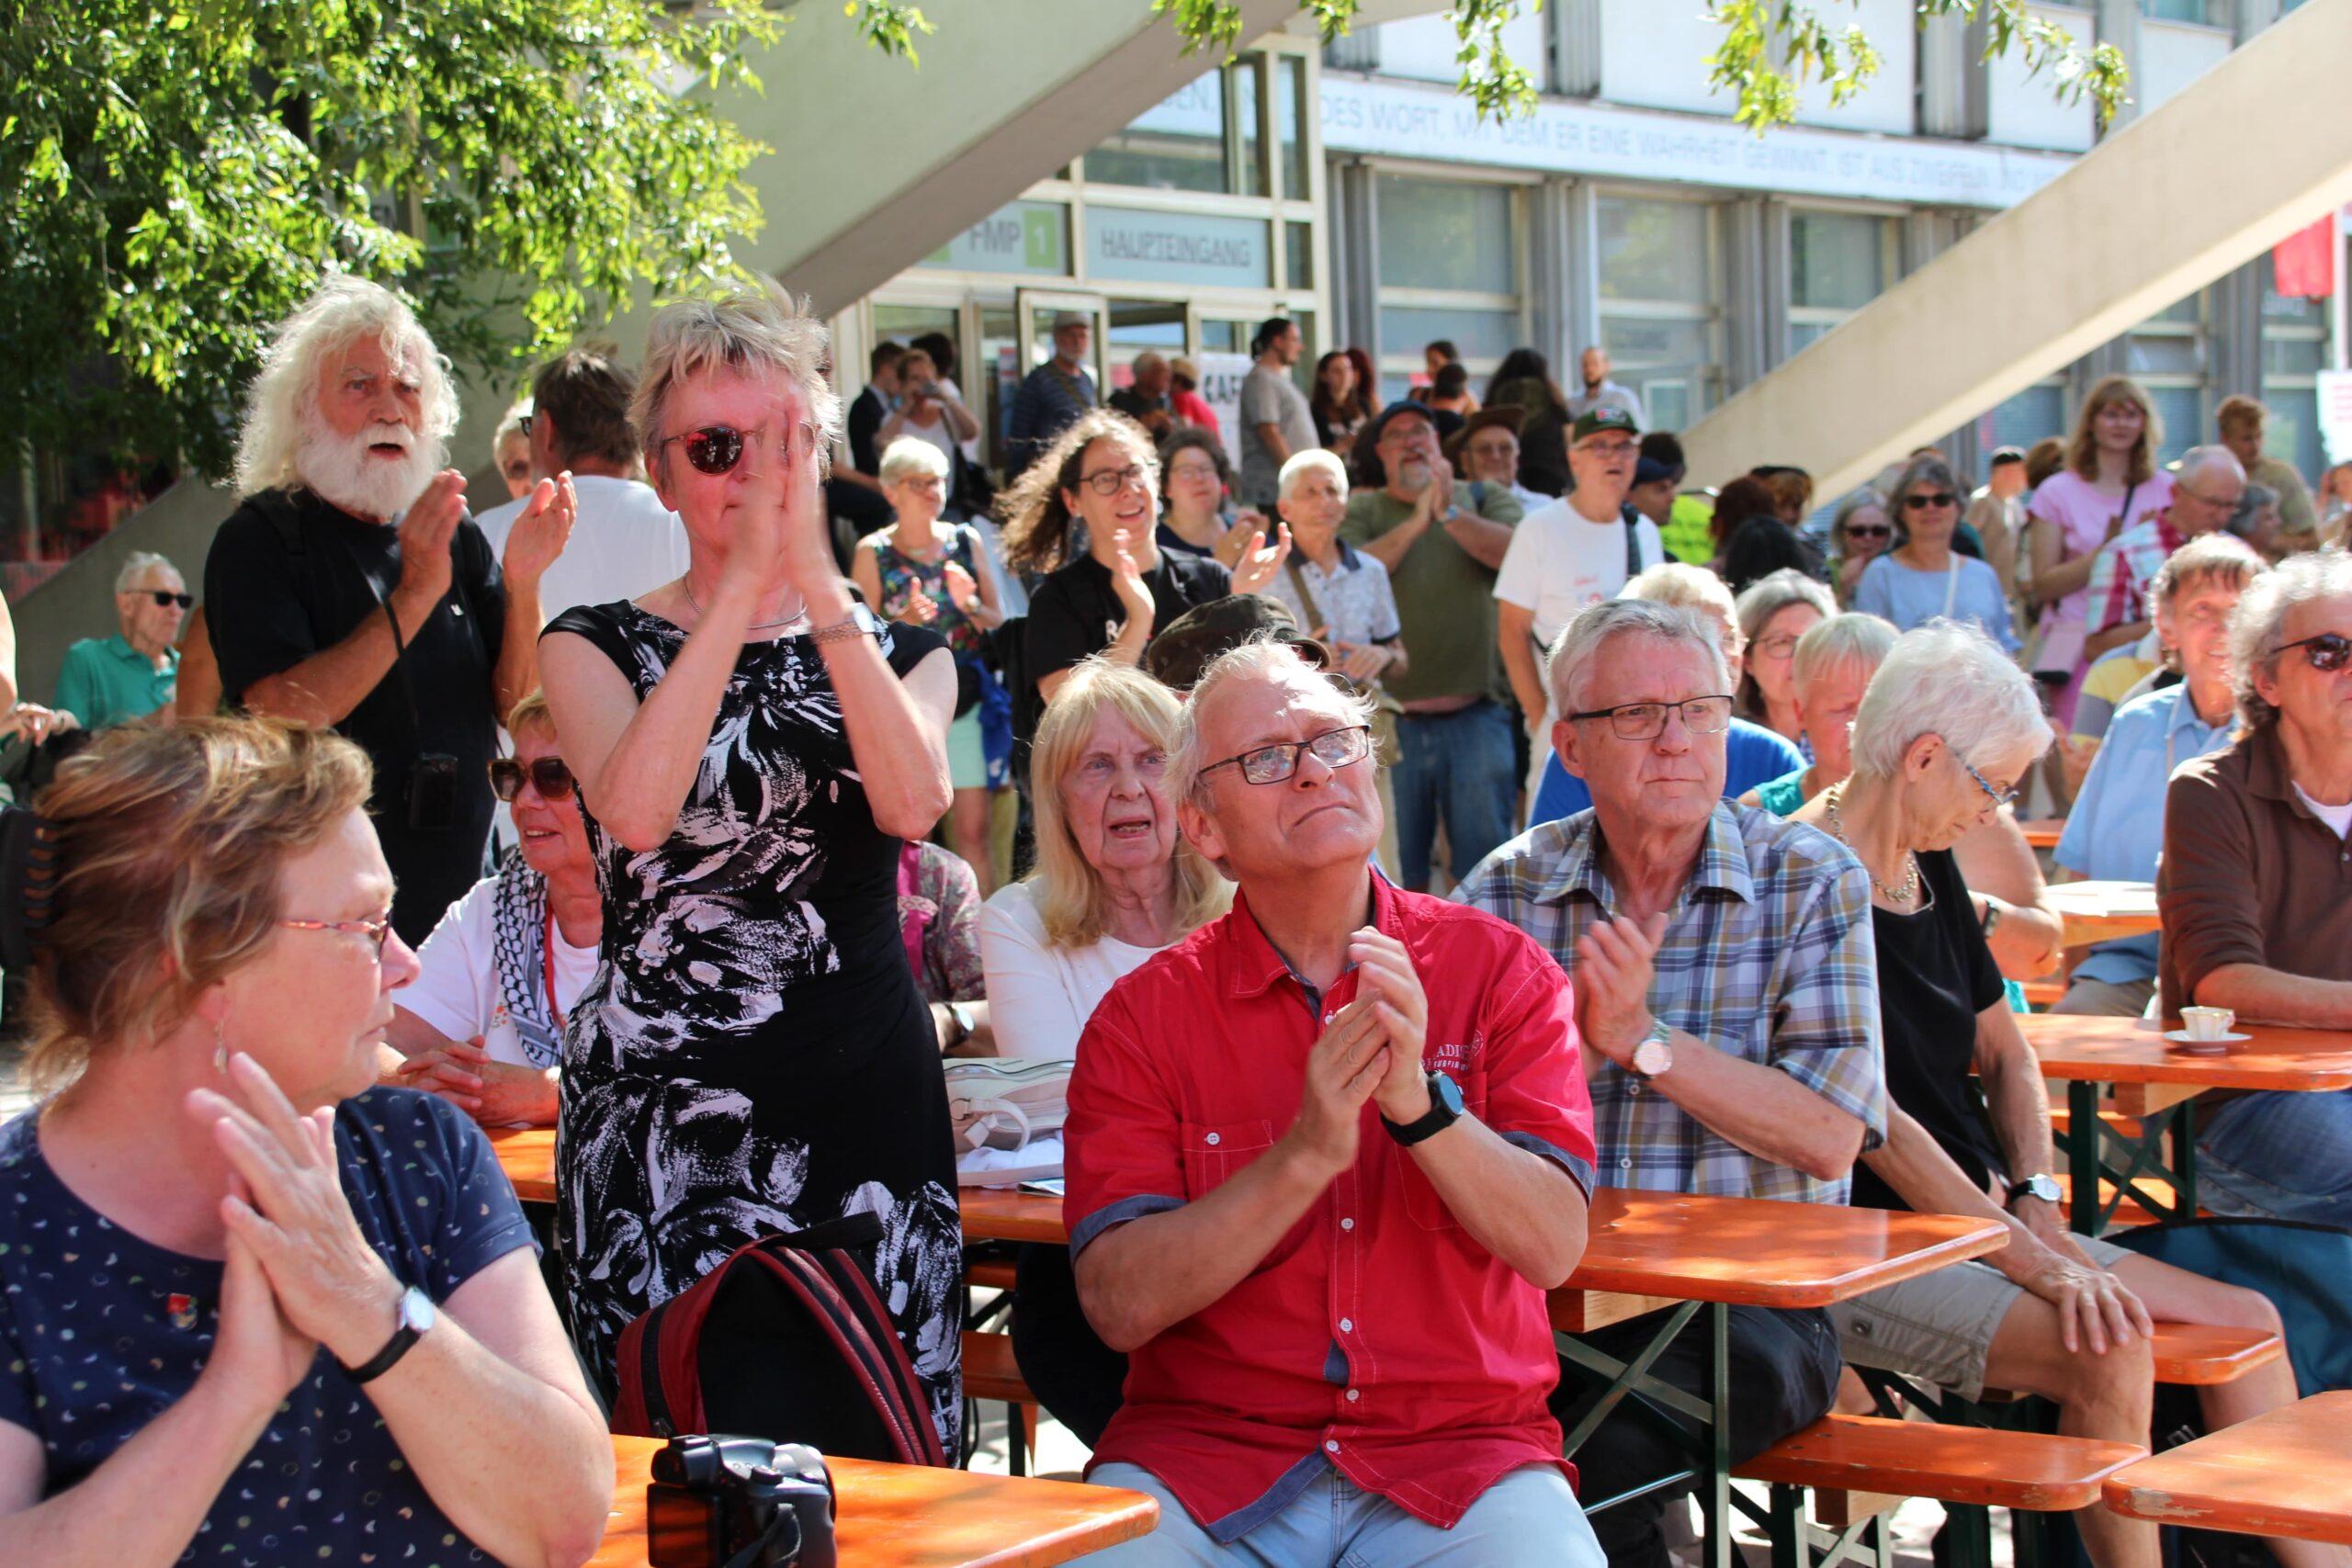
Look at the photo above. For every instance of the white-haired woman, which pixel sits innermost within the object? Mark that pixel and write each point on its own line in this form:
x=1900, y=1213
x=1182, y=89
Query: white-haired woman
x=936, y=574
x=1831, y=668
x=752, y=745
x=1948, y=727
x=1112, y=591
x=1774, y=611
x=254, y=1308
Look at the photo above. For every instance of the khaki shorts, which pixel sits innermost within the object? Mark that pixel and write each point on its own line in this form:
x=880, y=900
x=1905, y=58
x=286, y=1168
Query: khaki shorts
x=1940, y=1327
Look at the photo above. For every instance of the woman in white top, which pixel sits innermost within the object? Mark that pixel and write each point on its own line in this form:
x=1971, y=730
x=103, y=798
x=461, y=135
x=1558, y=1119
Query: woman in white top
x=928, y=408
x=482, y=1024
x=1116, y=882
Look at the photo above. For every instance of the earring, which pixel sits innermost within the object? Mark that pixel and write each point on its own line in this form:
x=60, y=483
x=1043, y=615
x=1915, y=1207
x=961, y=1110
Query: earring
x=221, y=1045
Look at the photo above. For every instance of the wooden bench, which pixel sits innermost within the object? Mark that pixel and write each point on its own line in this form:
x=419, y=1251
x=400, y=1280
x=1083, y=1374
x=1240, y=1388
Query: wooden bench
x=990, y=1373
x=990, y=1273
x=2199, y=1354
x=1861, y=1467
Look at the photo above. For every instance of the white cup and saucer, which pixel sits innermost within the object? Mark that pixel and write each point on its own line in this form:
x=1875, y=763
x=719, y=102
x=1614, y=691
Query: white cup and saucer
x=2205, y=1030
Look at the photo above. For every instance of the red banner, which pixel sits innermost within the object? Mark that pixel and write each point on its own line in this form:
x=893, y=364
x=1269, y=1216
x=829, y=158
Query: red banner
x=2304, y=261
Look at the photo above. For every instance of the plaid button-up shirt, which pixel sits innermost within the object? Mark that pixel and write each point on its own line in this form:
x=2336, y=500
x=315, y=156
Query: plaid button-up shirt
x=1768, y=956
x=2123, y=569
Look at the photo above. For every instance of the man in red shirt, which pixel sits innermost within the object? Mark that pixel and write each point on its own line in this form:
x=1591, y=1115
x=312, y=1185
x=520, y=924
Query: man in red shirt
x=1325, y=1158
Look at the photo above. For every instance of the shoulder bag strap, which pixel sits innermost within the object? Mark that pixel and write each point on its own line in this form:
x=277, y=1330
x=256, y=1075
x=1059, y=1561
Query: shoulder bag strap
x=1306, y=596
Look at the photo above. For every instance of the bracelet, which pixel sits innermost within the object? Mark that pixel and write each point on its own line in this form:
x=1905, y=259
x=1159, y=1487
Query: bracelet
x=841, y=631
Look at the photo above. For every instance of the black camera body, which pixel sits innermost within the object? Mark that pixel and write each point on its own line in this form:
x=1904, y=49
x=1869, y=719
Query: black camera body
x=729, y=1501
x=433, y=792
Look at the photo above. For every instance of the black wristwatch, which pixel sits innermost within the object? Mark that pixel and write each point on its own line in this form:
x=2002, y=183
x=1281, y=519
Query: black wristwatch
x=414, y=1318
x=1445, y=1110
x=2040, y=1184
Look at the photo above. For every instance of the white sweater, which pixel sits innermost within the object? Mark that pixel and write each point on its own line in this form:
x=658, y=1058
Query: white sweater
x=1040, y=995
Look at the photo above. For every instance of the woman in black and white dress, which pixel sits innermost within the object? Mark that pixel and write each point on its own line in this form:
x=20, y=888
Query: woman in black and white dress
x=752, y=745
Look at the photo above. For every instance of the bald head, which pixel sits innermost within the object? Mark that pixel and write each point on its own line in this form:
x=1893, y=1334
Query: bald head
x=2206, y=489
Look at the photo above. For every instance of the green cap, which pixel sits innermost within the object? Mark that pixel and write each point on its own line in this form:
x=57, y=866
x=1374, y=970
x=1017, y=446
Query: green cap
x=1593, y=421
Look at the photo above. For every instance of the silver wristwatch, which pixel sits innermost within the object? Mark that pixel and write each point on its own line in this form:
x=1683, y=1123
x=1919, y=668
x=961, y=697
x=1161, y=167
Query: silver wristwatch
x=1654, y=1053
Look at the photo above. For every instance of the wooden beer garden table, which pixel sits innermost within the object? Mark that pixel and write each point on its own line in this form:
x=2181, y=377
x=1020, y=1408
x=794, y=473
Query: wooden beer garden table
x=1648, y=1251
x=2287, y=1474
x=2103, y=911
x=903, y=1516
x=2043, y=833
x=2157, y=1082
x=527, y=1157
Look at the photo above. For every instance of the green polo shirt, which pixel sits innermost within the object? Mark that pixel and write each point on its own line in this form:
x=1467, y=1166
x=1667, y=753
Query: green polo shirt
x=1445, y=600
x=107, y=680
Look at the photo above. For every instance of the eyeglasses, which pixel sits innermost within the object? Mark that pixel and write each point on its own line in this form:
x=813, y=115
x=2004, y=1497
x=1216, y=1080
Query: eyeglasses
x=1868, y=531
x=163, y=598
x=1335, y=749
x=1609, y=448
x=375, y=932
x=714, y=449
x=2216, y=502
x=1919, y=501
x=1646, y=721
x=1778, y=647
x=2000, y=798
x=2325, y=653
x=548, y=775
x=1111, y=481
x=523, y=425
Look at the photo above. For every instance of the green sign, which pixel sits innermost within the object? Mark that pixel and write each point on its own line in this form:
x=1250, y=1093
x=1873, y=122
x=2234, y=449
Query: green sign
x=1030, y=237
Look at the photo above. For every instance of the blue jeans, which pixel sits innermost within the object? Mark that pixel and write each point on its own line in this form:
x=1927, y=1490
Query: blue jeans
x=1528, y=1517
x=1456, y=768
x=2278, y=1155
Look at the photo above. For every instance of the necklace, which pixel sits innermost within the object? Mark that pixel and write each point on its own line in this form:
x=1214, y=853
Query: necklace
x=1910, y=888
x=686, y=587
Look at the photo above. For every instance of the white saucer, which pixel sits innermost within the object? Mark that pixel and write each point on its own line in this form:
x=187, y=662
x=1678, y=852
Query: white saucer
x=2182, y=1037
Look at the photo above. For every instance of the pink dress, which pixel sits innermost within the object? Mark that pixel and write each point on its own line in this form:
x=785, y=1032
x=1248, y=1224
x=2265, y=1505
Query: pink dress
x=2082, y=515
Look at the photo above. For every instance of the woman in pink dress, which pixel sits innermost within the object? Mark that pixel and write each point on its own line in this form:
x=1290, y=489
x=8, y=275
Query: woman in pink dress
x=2110, y=481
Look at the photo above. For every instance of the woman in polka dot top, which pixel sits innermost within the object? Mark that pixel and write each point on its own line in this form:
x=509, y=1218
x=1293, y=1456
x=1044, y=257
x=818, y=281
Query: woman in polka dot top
x=254, y=1309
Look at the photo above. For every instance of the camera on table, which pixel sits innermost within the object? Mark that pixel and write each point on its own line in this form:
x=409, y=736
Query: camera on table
x=726, y=1502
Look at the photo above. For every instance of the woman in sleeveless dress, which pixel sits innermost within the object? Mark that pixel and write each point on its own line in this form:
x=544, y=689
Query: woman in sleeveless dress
x=751, y=747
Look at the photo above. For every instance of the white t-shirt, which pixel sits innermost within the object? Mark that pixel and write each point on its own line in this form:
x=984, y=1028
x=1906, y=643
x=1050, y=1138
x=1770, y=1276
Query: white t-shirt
x=1559, y=562
x=624, y=543
x=1041, y=995
x=2336, y=816
x=937, y=433
x=456, y=990
x=972, y=447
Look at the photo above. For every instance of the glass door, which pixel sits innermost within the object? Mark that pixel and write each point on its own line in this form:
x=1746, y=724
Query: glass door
x=1038, y=307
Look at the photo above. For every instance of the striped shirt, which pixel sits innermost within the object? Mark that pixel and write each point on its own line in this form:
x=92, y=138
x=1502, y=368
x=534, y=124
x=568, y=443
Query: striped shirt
x=1768, y=957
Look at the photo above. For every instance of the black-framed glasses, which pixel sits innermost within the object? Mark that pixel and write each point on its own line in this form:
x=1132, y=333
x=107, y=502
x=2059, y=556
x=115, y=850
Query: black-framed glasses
x=1919, y=500
x=714, y=449
x=1778, y=647
x=164, y=597
x=548, y=775
x=1335, y=749
x=1999, y=797
x=377, y=931
x=1646, y=721
x=1111, y=481
x=2325, y=653
x=1868, y=530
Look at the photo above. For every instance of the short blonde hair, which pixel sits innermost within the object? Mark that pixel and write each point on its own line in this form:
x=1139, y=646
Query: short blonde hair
x=1072, y=900
x=1685, y=587
x=1855, y=637
x=753, y=331
x=532, y=709
x=910, y=456
x=1314, y=460
x=169, y=844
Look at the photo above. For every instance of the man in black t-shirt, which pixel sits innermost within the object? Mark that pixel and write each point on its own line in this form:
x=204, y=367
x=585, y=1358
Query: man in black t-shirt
x=351, y=590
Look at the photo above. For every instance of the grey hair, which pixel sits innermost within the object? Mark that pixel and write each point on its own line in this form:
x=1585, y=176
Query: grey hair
x=286, y=393
x=1854, y=638
x=511, y=425
x=1855, y=502
x=2209, y=557
x=1949, y=680
x=1595, y=627
x=753, y=331
x=2218, y=457
x=2260, y=621
x=908, y=455
x=1315, y=459
x=138, y=564
x=1769, y=595
x=1265, y=657
x=1685, y=587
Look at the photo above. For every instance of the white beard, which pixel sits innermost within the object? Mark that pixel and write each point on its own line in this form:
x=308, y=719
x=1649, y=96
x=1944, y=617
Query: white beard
x=343, y=472
x=1413, y=475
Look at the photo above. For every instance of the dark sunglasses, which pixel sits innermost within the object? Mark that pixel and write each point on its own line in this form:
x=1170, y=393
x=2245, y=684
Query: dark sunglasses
x=2326, y=653
x=1868, y=531
x=715, y=448
x=1918, y=502
x=548, y=775
x=164, y=597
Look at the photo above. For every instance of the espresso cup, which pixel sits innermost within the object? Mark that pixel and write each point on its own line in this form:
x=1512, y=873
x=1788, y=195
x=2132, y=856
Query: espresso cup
x=2207, y=1023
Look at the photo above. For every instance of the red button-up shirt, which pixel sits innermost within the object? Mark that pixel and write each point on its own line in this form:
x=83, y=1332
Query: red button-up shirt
x=1378, y=1336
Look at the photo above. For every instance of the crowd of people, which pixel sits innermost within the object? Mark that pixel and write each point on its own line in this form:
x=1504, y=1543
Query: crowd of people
x=1396, y=824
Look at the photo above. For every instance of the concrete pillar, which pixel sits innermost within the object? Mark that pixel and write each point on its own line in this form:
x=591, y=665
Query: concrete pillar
x=1583, y=313
x=2235, y=312
x=1551, y=288
x=1354, y=231
x=2252, y=16
x=1952, y=92
x=2117, y=22
x=1576, y=47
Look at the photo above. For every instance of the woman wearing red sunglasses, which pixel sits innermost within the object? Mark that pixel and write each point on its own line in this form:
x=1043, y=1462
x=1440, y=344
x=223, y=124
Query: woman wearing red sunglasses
x=752, y=745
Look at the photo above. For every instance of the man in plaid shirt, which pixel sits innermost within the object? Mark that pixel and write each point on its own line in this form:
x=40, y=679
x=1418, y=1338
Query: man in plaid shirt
x=1727, y=997
x=2204, y=493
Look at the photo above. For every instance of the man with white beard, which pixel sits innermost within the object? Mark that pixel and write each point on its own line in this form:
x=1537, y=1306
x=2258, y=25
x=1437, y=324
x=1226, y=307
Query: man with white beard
x=1440, y=542
x=350, y=589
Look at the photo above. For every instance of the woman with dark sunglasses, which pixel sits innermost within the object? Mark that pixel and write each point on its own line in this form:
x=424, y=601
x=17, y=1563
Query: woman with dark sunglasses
x=1923, y=578
x=752, y=745
x=1860, y=532
x=482, y=1023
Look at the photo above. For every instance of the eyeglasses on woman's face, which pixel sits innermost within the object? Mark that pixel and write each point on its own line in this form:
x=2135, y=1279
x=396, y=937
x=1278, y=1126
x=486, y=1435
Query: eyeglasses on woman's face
x=1335, y=749
x=1921, y=500
x=1107, y=482
x=714, y=449
x=377, y=931
x=1996, y=798
x=548, y=775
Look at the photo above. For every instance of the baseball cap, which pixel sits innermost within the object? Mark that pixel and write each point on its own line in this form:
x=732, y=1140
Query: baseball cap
x=1196, y=639
x=1649, y=470
x=1401, y=407
x=1593, y=421
x=1071, y=319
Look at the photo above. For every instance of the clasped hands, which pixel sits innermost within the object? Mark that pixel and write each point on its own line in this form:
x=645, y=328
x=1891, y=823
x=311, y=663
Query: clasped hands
x=1372, y=1049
